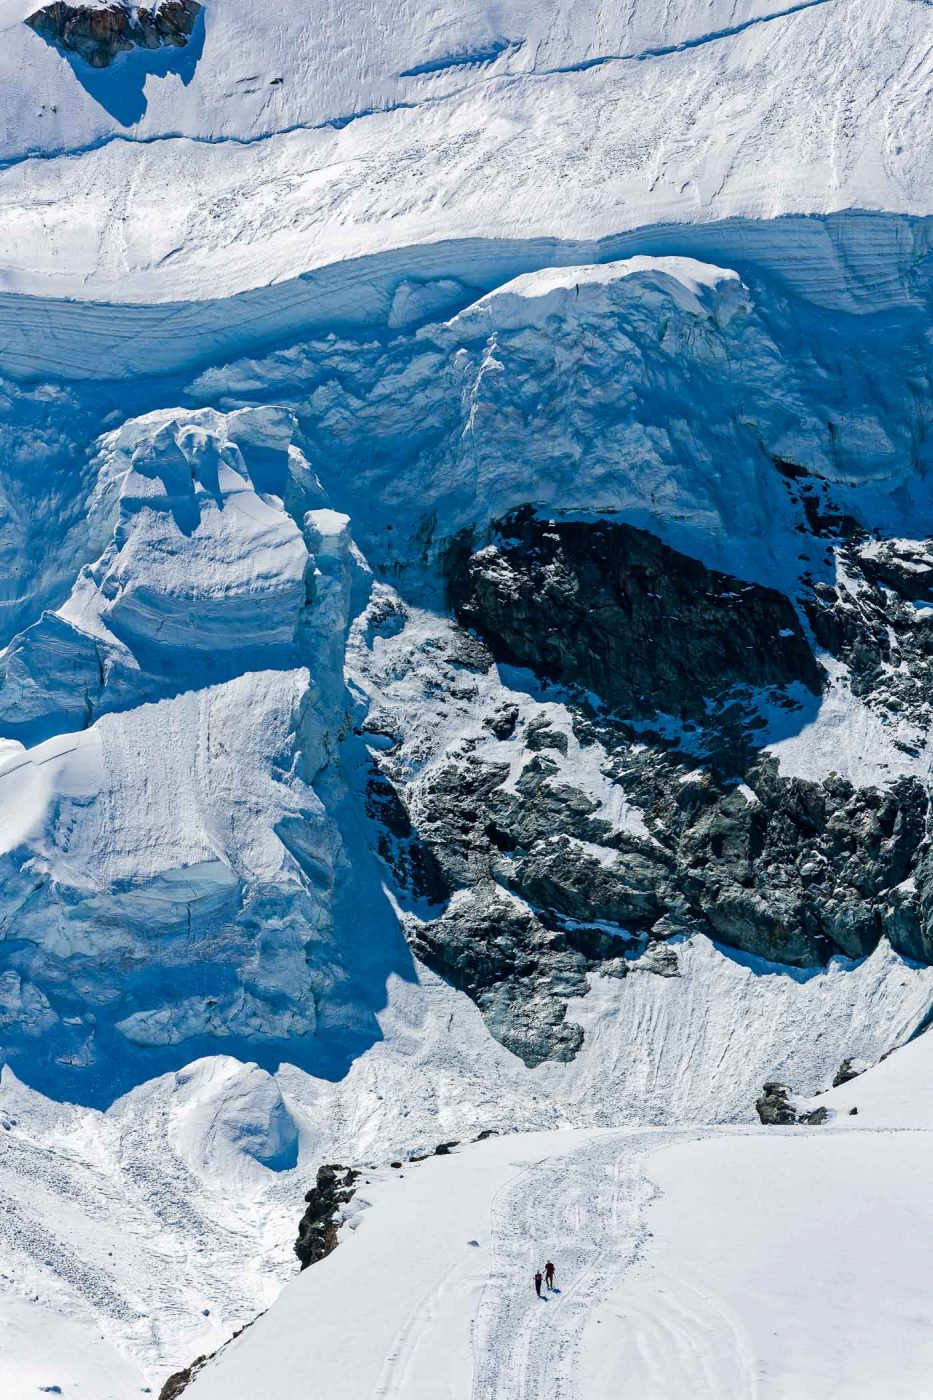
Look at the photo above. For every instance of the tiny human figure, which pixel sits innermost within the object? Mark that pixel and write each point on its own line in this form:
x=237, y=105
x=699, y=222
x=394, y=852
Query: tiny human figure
x=549, y=1274
x=538, y=1283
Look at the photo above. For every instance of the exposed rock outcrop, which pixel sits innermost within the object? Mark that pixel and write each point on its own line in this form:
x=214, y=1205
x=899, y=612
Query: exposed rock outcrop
x=785, y=869
x=317, y=1231
x=845, y=1073
x=870, y=620
x=520, y=972
x=612, y=609
x=99, y=33
x=774, y=1106
x=563, y=834
x=179, y=1381
x=539, y=881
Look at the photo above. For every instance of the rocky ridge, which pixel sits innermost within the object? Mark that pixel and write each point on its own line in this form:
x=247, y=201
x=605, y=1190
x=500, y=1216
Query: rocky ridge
x=576, y=828
x=317, y=1230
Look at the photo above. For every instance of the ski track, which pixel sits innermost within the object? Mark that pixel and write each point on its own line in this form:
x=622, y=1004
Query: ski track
x=587, y=1212
x=584, y=1211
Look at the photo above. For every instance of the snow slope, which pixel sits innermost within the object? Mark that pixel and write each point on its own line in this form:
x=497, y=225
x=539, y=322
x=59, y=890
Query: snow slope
x=329, y=214
x=656, y=1236
x=778, y=1267
x=125, y=1237
x=186, y=865
x=897, y=1093
x=283, y=147
x=184, y=1195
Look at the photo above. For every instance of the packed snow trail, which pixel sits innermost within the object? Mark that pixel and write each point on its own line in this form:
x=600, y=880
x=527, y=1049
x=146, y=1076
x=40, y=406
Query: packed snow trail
x=757, y=1264
x=585, y=1210
x=443, y=1316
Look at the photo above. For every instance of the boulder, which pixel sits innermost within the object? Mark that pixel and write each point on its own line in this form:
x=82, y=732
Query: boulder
x=774, y=1106
x=99, y=33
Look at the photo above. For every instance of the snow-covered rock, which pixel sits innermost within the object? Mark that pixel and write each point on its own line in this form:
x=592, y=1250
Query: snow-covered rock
x=100, y=31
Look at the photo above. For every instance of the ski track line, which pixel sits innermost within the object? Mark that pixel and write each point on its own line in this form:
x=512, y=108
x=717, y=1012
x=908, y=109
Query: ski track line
x=687, y=1329
x=402, y=1351
x=590, y=1205
x=397, y=1364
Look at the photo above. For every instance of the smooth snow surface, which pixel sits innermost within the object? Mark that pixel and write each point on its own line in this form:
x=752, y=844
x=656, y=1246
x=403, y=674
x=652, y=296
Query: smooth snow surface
x=897, y=1093
x=781, y=1264
x=781, y=1267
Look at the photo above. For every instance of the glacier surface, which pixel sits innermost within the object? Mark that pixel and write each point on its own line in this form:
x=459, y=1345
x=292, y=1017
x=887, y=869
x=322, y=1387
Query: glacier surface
x=286, y=316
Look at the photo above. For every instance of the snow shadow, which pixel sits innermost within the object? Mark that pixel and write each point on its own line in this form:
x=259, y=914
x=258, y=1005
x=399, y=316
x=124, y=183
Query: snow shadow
x=121, y=88
x=83, y=1057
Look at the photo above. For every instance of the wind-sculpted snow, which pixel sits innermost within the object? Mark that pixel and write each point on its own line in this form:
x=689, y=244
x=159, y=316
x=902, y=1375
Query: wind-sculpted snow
x=259, y=73
x=168, y=868
x=197, y=570
x=658, y=389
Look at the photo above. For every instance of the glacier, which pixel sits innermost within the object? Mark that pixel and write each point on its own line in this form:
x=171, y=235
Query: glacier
x=296, y=865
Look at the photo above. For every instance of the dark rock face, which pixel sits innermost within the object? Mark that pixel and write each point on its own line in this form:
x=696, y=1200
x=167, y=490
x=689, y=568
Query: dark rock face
x=178, y=1383
x=611, y=609
x=815, y=1118
x=784, y=869
x=904, y=565
x=807, y=869
x=537, y=885
x=874, y=626
x=99, y=34
x=317, y=1232
x=518, y=971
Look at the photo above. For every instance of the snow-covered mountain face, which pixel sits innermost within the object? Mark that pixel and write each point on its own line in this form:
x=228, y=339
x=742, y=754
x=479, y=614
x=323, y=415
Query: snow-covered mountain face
x=605, y=689
x=466, y=523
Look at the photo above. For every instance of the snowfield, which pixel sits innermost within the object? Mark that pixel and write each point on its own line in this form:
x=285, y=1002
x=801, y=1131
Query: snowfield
x=751, y=1263
x=278, y=174
x=286, y=316
x=239, y=174
x=137, y=1239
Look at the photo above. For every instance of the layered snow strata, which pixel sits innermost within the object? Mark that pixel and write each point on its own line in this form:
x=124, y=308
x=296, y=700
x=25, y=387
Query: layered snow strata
x=659, y=390
x=586, y=130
